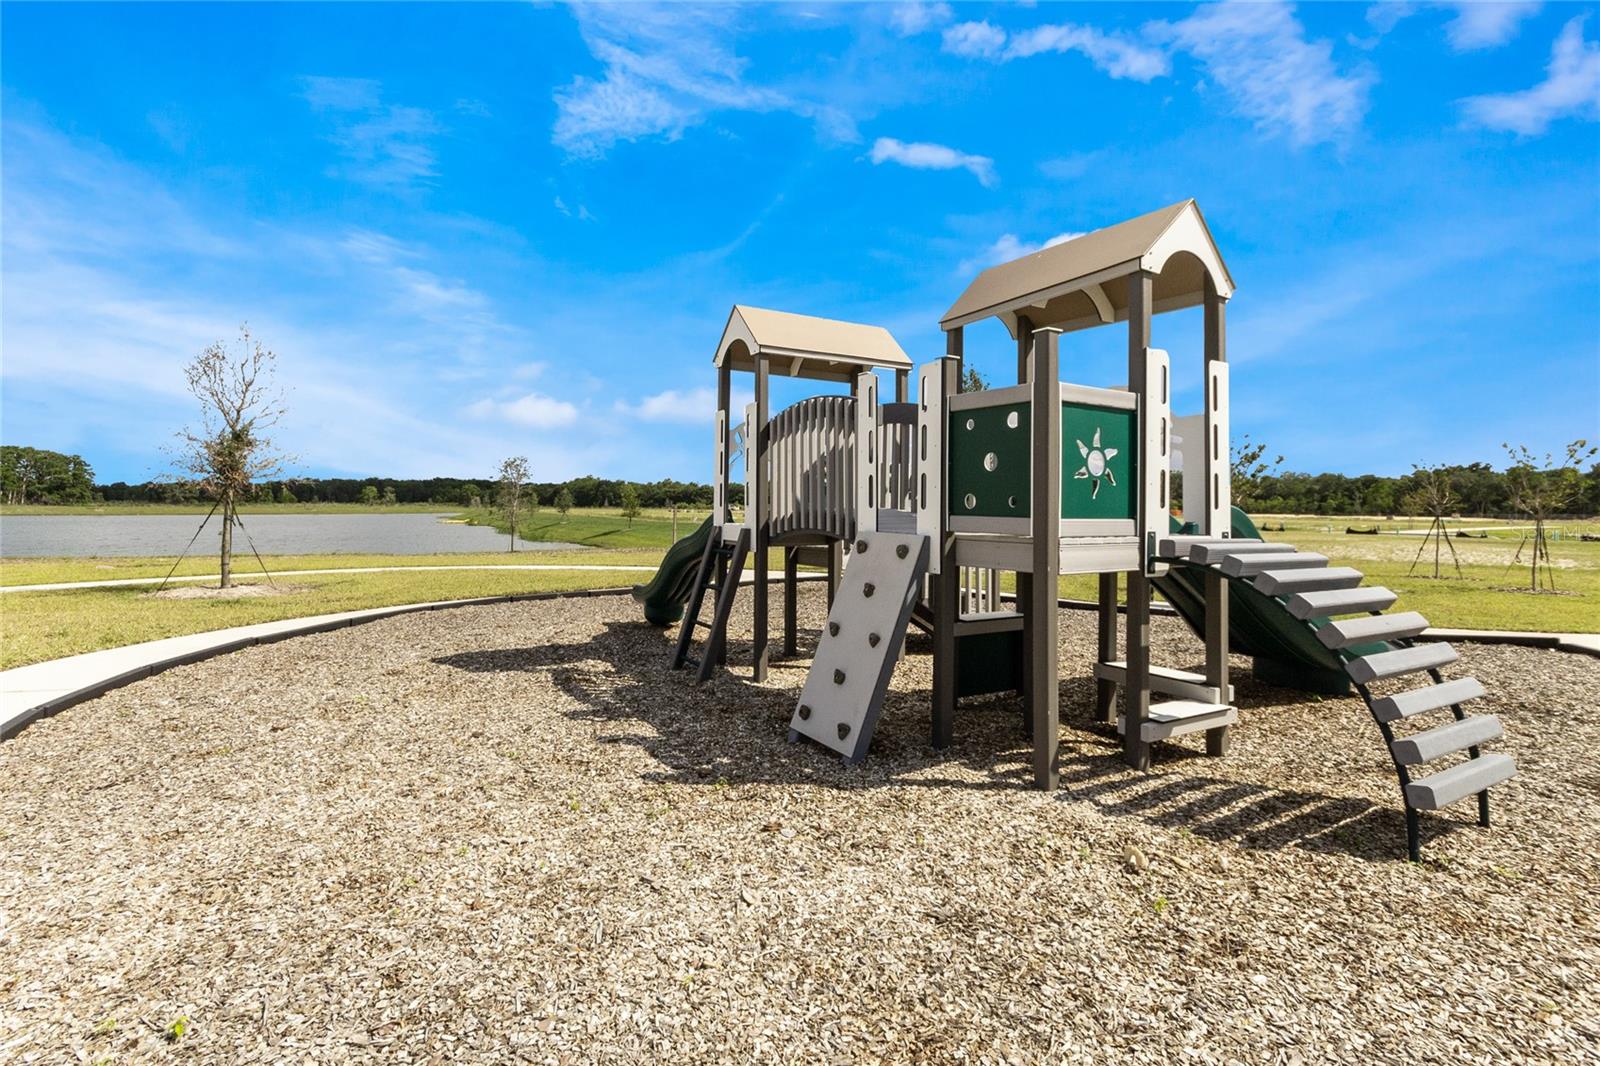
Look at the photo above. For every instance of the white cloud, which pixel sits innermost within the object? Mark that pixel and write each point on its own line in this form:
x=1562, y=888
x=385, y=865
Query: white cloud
x=666, y=68
x=924, y=156
x=1118, y=56
x=1385, y=17
x=534, y=410
x=686, y=407
x=383, y=144
x=1571, y=87
x=1259, y=56
x=1009, y=247
x=975, y=40
x=912, y=19
x=1479, y=25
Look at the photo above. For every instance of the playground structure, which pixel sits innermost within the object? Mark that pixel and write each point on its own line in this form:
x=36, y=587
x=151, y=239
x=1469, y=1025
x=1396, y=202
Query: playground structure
x=934, y=500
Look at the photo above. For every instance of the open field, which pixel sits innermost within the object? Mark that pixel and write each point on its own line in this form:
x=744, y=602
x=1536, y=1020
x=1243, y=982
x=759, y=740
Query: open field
x=510, y=834
x=51, y=571
x=599, y=527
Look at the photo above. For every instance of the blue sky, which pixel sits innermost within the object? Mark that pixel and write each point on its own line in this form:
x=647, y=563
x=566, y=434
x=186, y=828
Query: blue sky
x=474, y=231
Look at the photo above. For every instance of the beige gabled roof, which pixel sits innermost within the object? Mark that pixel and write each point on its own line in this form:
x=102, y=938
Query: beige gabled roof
x=1083, y=282
x=805, y=346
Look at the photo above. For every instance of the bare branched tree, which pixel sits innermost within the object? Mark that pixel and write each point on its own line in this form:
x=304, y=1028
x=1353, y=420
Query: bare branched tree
x=1434, y=496
x=1249, y=470
x=230, y=450
x=513, y=476
x=1542, y=487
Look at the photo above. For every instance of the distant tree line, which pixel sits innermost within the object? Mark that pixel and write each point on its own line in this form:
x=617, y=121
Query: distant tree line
x=34, y=475
x=585, y=491
x=1480, y=491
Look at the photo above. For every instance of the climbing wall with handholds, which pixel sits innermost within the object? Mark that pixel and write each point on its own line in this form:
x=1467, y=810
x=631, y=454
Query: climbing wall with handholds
x=844, y=690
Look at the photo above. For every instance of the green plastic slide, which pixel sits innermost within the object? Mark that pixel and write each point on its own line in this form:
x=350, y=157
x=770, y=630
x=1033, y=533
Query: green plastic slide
x=663, y=598
x=1286, y=649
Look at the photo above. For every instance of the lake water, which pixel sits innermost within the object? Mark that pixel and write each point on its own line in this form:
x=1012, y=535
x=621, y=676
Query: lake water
x=274, y=534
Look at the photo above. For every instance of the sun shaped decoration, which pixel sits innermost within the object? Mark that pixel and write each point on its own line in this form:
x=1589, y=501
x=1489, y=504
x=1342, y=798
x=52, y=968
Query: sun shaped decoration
x=1096, y=463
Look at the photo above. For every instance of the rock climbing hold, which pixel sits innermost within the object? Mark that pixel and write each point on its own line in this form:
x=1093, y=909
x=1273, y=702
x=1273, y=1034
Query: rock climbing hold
x=902, y=550
x=872, y=640
x=833, y=629
x=805, y=712
x=838, y=677
x=861, y=546
x=868, y=589
x=844, y=730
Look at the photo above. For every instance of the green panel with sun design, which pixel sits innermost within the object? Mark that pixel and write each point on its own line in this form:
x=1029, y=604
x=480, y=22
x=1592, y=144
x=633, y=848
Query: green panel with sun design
x=989, y=450
x=1099, y=462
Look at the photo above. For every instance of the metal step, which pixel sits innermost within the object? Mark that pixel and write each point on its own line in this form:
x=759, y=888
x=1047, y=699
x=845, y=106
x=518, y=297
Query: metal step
x=1370, y=668
x=1287, y=582
x=1460, y=781
x=1425, y=699
x=1252, y=564
x=1432, y=744
x=1183, y=684
x=1330, y=602
x=1174, y=718
x=1402, y=626
x=1211, y=554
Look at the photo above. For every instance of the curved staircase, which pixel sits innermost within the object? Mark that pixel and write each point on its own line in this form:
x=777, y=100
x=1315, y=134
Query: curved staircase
x=1347, y=618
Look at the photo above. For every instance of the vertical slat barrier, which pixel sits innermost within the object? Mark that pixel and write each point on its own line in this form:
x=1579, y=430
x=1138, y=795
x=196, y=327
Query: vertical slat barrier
x=867, y=457
x=930, y=458
x=1219, y=495
x=1156, y=460
x=719, y=487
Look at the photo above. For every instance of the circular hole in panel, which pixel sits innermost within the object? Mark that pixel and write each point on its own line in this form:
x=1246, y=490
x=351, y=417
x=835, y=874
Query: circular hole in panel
x=971, y=501
x=969, y=423
x=1011, y=501
x=991, y=461
x=1011, y=420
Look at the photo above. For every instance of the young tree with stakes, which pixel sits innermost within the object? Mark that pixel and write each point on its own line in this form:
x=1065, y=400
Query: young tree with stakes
x=230, y=451
x=630, y=503
x=1434, y=496
x=513, y=475
x=1542, y=488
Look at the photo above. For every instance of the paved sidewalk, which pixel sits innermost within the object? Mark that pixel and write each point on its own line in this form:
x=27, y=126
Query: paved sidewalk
x=126, y=582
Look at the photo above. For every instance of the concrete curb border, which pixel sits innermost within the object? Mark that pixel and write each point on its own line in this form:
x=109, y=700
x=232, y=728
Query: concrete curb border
x=314, y=624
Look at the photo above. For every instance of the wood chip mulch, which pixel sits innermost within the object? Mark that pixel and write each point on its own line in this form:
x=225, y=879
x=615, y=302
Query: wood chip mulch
x=509, y=834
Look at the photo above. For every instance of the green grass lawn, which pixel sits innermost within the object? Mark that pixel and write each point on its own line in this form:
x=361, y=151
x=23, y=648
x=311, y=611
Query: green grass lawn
x=596, y=527
x=48, y=625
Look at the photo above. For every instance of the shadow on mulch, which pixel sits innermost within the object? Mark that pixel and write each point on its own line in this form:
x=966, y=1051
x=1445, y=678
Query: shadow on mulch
x=622, y=675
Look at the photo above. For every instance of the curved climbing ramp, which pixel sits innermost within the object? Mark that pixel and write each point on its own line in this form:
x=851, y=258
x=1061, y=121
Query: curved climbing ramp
x=849, y=676
x=1377, y=650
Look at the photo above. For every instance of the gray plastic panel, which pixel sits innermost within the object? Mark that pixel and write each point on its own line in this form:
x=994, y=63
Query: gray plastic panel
x=844, y=689
x=1369, y=630
x=1252, y=564
x=1456, y=736
x=1460, y=781
x=1428, y=698
x=1370, y=668
x=1287, y=582
x=1330, y=602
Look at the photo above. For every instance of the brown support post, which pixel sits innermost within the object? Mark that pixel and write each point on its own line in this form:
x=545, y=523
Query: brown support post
x=902, y=386
x=1217, y=601
x=1025, y=581
x=724, y=398
x=946, y=587
x=1043, y=671
x=791, y=586
x=1105, y=696
x=761, y=541
x=1136, y=687
x=955, y=347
